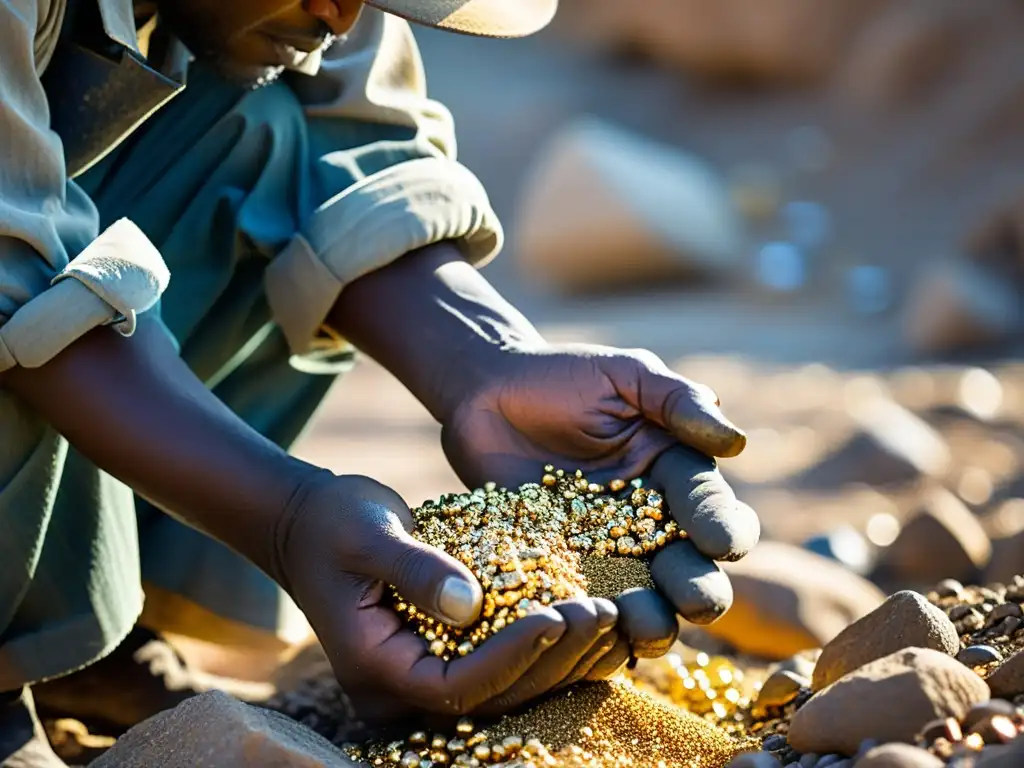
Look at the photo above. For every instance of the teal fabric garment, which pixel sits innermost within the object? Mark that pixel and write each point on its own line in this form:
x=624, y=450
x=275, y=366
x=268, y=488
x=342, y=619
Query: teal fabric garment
x=220, y=180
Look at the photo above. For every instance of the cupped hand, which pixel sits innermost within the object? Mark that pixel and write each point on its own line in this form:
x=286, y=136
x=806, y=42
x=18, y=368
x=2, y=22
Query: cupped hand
x=617, y=414
x=345, y=538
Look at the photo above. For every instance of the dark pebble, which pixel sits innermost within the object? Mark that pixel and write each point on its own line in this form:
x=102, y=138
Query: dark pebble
x=990, y=708
x=949, y=588
x=957, y=612
x=774, y=743
x=1005, y=628
x=1006, y=609
x=934, y=730
x=808, y=760
x=829, y=761
x=978, y=655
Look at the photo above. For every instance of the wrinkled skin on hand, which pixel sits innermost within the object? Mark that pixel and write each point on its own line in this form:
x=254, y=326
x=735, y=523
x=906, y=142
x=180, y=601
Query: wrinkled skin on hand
x=344, y=538
x=617, y=414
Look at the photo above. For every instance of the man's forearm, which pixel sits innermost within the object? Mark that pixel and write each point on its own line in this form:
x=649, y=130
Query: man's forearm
x=136, y=411
x=433, y=321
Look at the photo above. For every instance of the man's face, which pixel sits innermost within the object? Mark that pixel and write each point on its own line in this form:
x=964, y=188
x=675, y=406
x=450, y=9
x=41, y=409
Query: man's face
x=250, y=41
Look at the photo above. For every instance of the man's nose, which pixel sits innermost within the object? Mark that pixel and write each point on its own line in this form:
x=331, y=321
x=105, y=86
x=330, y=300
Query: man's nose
x=331, y=12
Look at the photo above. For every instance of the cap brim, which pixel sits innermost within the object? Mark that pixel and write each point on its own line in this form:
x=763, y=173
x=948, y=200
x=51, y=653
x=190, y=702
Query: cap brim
x=483, y=18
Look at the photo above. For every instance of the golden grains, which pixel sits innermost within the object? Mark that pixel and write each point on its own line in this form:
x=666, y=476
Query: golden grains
x=596, y=725
x=525, y=548
x=609, y=577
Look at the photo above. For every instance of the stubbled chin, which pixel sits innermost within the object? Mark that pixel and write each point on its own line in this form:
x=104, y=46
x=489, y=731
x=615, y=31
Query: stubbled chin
x=241, y=75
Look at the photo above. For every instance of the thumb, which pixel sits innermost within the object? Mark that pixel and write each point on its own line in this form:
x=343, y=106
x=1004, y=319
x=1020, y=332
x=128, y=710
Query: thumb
x=687, y=410
x=429, y=578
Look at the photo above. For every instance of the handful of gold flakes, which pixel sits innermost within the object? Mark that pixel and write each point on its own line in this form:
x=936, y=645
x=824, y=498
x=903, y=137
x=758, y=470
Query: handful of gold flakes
x=537, y=545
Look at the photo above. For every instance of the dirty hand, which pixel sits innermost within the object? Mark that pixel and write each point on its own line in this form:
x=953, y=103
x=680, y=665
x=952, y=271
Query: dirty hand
x=617, y=414
x=344, y=538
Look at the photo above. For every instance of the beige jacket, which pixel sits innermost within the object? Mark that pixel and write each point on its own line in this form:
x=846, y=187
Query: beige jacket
x=60, y=277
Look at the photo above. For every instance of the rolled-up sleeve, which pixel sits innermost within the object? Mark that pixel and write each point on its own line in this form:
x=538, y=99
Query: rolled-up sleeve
x=401, y=189
x=59, y=277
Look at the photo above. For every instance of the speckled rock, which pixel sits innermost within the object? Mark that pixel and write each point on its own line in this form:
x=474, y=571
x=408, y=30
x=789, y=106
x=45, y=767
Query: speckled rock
x=904, y=620
x=214, y=730
x=788, y=600
x=898, y=756
x=1008, y=679
x=942, y=539
x=889, y=699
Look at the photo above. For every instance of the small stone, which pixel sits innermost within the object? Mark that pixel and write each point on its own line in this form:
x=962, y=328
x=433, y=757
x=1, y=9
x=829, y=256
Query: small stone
x=988, y=709
x=1008, y=679
x=898, y=756
x=995, y=729
x=810, y=760
x=889, y=699
x=781, y=687
x=1005, y=610
x=787, y=600
x=774, y=743
x=755, y=760
x=216, y=724
x=904, y=620
x=949, y=588
x=830, y=761
x=942, y=538
x=978, y=655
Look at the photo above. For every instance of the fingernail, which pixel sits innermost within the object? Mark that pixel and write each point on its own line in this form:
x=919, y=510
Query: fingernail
x=551, y=636
x=606, y=619
x=459, y=601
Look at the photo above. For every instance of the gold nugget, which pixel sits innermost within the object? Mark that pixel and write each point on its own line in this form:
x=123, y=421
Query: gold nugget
x=526, y=546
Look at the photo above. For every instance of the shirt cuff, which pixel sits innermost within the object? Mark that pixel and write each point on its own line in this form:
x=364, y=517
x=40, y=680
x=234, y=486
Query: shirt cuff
x=118, y=276
x=366, y=227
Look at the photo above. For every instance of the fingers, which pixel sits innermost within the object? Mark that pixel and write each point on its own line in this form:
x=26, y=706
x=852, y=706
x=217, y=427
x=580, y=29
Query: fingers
x=704, y=505
x=587, y=620
x=686, y=410
x=612, y=662
x=695, y=585
x=403, y=665
x=648, y=621
x=432, y=580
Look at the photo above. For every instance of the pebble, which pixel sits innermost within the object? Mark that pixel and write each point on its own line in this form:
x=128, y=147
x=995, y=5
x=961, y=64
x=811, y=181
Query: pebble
x=904, y=620
x=1008, y=679
x=755, y=760
x=1005, y=610
x=898, y=756
x=942, y=538
x=833, y=761
x=889, y=699
x=780, y=688
x=810, y=760
x=978, y=655
x=774, y=743
x=988, y=709
x=787, y=600
x=949, y=588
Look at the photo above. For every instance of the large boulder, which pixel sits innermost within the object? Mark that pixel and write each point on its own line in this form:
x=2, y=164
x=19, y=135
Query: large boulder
x=604, y=208
x=904, y=620
x=887, y=700
x=218, y=731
